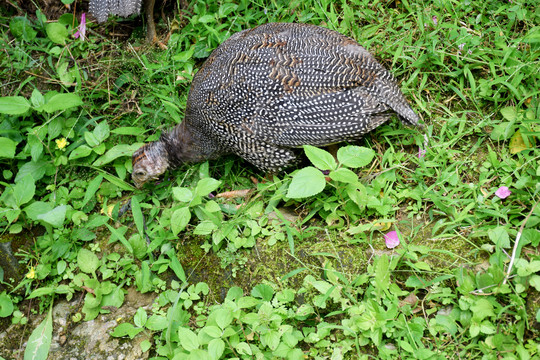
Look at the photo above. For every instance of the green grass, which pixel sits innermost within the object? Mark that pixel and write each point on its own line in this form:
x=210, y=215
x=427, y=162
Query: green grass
x=310, y=276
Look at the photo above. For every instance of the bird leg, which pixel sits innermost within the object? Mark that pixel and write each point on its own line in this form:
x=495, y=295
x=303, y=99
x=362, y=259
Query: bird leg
x=150, y=25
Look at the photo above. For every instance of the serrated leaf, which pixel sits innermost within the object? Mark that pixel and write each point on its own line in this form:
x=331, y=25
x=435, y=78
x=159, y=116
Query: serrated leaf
x=179, y=219
x=320, y=158
x=7, y=148
x=306, y=182
x=355, y=156
x=88, y=261
x=14, y=105
x=114, y=153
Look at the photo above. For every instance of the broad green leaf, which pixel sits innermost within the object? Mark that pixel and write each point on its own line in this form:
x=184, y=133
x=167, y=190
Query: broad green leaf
x=55, y=217
x=37, y=208
x=39, y=292
x=481, y=309
x=344, y=175
x=7, y=148
x=206, y=186
x=243, y=348
x=176, y=266
x=37, y=99
x=88, y=261
x=24, y=190
x=502, y=131
x=126, y=329
x=137, y=214
x=115, y=298
x=90, y=139
x=140, y=317
x=182, y=194
x=116, y=152
x=517, y=144
x=382, y=272
x=65, y=75
x=157, y=323
x=206, y=19
x=91, y=189
x=355, y=156
x=102, y=132
x=223, y=317
x=21, y=28
x=63, y=101
x=499, y=236
x=212, y=331
x=39, y=342
x=509, y=113
x=14, y=105
x=6, y=305
x=79, y=152
x=263, y=291
x=179, y=219
x=188, y=339
x=205, y=227
x=306, y=182
x=58, y=33
x=36, y=169
x=216, y=348
x=320, y=158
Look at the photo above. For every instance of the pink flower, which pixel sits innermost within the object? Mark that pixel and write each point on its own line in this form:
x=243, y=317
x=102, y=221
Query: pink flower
x=82, y=28
x=391, y=239
x=421, y=153
x=503, y=192
x=434, y=18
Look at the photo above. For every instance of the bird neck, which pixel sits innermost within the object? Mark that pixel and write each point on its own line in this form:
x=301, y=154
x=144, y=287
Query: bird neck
x=180, y=146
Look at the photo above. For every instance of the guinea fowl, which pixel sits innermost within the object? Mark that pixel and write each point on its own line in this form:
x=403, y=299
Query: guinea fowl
x=101, y=9
x=268, y=90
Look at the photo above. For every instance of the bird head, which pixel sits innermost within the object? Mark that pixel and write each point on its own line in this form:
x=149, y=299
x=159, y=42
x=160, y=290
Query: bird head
x=148, y=163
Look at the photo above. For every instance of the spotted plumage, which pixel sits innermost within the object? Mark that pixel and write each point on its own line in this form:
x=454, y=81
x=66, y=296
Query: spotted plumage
x=268, y=90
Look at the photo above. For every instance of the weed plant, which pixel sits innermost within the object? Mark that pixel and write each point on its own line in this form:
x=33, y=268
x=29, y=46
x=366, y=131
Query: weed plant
x=464, y=280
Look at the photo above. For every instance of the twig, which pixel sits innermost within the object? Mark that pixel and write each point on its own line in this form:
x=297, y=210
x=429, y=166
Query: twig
x=516, y=245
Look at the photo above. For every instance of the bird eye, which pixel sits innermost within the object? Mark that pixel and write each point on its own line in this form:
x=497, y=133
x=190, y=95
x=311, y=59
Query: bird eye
x=139, y=173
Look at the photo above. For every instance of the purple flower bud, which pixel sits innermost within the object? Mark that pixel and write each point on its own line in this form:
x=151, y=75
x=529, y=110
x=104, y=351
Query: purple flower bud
x=391, y=239
x=503, y=192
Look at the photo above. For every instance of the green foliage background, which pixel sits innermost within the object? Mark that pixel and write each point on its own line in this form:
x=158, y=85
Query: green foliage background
x=73, y=111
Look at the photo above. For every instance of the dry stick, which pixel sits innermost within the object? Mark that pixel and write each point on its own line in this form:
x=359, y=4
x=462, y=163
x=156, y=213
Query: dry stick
x=516, y=244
